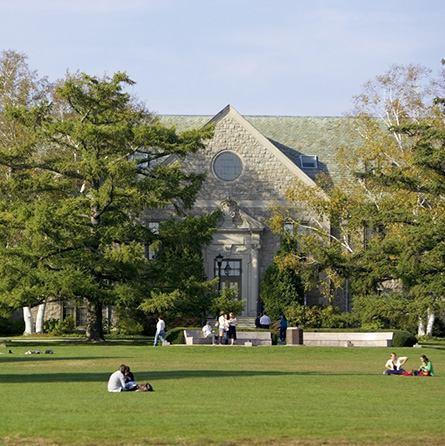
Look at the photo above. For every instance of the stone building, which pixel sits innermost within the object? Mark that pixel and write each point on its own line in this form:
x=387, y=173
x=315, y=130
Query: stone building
x=250, y=162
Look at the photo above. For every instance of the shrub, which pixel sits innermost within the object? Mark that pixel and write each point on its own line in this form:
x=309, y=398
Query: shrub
x=11, y=327
x=58, y=328
x=175, y=335
x=227, y=301
x=403, y=338
x=127, y=327
x=280, y=288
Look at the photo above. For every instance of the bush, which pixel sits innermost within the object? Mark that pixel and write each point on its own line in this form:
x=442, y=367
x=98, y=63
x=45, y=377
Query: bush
x=11, y=327
x=127, y=327
x=175, y=335
x=58, y=328
x=320, y=316
x=279, y=289
x=403, y=338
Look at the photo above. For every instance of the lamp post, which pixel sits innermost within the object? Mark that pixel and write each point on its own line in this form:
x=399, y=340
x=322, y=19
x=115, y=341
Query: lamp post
x=219, y=259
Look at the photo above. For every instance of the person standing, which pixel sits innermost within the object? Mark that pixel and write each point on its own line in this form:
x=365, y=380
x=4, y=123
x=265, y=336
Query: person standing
x=283, y=328
x=222, y=327
x=232, y=328
x=160, y=331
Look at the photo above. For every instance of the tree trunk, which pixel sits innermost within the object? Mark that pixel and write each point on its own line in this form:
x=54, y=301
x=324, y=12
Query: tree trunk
x=421, y=328
x=430, y=318
x=94, y=330
x=29, y=323
x=40, y=318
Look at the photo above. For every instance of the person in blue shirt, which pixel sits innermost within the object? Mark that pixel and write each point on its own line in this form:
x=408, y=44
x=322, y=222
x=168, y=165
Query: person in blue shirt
x=283, y=328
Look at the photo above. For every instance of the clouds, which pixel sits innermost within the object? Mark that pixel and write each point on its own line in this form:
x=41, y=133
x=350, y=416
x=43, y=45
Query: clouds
x=294, y=57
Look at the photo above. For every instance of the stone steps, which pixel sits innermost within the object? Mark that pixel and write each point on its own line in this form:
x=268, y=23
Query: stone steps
x=245, y=322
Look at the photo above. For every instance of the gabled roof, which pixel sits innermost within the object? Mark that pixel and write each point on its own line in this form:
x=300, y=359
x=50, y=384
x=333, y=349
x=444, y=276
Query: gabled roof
x=290, y=136
x=229, y=111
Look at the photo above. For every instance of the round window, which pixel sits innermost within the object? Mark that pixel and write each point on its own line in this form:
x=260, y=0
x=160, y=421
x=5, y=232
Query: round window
x=227, y=166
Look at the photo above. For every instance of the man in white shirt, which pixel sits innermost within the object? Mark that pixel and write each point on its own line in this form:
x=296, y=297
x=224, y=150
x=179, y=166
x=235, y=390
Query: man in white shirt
x=160, y=331
x=117, y=383
x=265, y=321
x=207, y=332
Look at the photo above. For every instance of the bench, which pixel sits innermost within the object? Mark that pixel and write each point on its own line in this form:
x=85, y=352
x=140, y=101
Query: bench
x=247, y=338
x=348, y=339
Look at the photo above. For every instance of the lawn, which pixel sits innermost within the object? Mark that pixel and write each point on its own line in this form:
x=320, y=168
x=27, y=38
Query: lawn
x=218, y=395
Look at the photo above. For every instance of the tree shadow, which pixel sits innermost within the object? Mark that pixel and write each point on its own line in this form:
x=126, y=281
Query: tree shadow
x=153, y=376
x=47, y=358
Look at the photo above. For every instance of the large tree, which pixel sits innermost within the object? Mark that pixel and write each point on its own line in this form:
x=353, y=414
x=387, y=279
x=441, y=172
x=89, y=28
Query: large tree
x=19, y=87
x=82, y=184
x=385, y=216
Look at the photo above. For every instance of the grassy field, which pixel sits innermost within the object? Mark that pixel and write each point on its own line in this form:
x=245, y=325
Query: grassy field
x=218, y=396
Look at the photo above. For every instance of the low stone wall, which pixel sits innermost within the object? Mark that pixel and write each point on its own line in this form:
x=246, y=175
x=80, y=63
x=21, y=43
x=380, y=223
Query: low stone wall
x=348, y=339
x=247, y=338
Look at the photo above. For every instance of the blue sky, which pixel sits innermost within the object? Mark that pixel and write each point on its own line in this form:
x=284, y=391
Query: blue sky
x=264, y=57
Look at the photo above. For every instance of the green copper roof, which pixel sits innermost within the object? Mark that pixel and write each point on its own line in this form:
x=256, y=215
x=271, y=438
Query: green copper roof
x=294, y=136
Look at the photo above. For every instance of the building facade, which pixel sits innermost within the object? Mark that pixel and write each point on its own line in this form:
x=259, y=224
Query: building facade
x=249, y=163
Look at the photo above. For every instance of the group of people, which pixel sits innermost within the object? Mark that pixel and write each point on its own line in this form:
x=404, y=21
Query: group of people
x=122, y=380
x=394, y=366
x=226, y=324
x=264, y=321
x=227, y=327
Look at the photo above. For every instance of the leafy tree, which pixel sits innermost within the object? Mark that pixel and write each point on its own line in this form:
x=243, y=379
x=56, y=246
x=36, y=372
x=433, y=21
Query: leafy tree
x=20, y=87
x=227, y=301
x=280, y=287
x=385, y=218
x=79, y=191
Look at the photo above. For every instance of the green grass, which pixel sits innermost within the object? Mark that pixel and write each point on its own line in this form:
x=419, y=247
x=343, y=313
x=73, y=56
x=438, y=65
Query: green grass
x=218, y=396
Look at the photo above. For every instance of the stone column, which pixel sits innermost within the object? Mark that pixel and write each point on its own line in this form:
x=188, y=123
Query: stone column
x=254, y=280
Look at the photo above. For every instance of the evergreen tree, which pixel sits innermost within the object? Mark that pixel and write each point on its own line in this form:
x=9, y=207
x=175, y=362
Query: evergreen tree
x=76, y=193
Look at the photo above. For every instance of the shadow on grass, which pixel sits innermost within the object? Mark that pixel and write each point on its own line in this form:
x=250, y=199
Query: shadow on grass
x=153, y=376
x=47, y=358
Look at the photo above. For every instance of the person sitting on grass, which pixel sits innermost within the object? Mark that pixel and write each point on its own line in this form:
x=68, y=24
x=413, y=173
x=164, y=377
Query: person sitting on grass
x=117, y=382
x=394, y=365
x=130, y=383
x=426, y=367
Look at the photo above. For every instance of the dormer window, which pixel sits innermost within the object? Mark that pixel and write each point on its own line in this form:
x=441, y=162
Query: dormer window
x=309, y=161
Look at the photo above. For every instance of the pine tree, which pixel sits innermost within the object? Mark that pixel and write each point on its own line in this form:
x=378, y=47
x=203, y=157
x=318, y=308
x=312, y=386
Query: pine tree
x=79, y=193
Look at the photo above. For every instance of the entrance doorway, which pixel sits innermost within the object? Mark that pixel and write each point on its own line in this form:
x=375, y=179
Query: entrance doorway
x=229, y=274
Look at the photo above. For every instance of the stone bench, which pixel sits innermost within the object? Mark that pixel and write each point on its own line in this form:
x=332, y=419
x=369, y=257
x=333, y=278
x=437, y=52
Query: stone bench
x=247, y=338
x=348, y=339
